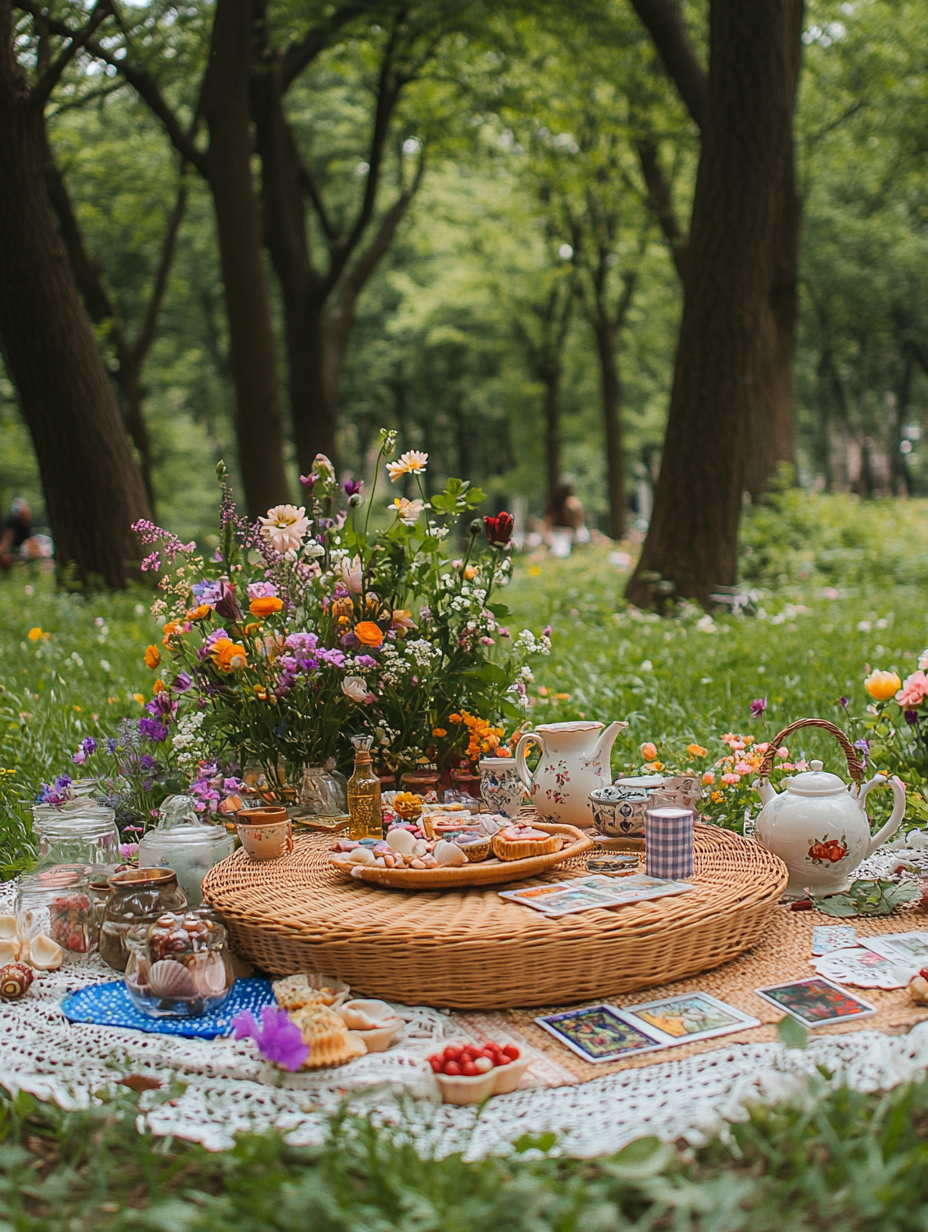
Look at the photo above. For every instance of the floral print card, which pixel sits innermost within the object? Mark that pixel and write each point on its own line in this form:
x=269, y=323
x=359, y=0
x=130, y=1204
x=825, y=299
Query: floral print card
x=683, y=1019
x=597, y=1033
x=828, y=937
x=816, y=1001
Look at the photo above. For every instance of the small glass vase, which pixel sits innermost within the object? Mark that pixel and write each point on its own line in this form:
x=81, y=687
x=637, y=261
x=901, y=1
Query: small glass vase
x=324, y=792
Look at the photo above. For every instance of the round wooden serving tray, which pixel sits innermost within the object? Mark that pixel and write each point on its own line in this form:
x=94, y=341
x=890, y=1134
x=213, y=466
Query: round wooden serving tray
x=467, y=948
x=485, y=872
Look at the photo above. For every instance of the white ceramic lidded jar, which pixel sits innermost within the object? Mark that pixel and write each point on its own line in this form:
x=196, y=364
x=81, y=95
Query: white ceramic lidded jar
x=818, y=825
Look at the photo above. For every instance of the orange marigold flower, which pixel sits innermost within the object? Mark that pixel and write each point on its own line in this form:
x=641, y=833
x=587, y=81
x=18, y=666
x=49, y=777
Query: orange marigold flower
x=455, y=718
x=203, y=612
x=139, y=697
x=35, y=633
x=152, y=657
x=439, y=733
x=159, y=687
x=695, y=750
x=265, y=605
x=368, y=634
x=228, y=656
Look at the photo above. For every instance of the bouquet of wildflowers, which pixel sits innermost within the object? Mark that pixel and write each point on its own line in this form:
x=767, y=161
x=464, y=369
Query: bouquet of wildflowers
x=309, y=626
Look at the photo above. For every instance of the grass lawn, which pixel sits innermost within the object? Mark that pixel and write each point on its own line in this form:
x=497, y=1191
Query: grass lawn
x=842, y=586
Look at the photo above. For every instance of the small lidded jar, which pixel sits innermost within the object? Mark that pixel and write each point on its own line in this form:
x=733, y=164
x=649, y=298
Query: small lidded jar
x=190, y=850
x=180, y=966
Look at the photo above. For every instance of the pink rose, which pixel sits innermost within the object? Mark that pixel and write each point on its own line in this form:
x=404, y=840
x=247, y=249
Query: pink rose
x=731, y=779
x=914, y=690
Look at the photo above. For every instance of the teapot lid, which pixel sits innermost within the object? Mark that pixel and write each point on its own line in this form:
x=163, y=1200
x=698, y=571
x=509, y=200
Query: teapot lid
x=815, y=782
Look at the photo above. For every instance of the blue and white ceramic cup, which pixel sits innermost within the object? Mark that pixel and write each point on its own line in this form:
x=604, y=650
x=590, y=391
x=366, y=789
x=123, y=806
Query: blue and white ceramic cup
x=500, y=786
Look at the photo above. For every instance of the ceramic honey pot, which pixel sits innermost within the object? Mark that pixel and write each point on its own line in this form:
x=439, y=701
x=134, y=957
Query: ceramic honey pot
x=574, y=759
x=818, y=825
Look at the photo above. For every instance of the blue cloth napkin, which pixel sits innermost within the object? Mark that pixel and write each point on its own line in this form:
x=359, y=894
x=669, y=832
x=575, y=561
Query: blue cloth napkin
x=110, y=1005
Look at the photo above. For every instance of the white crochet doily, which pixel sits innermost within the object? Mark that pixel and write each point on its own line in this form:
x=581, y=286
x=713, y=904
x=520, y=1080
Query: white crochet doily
x=212, y=1090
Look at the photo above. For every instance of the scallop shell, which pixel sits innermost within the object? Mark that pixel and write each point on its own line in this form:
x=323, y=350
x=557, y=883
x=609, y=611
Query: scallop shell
x=402, y=841
x=449, y=855
x=367, y=1015
x=8, y=929
x=45, y=954
x=9, y=950
x=171, y=979
x=15, y=980
x=210, y=976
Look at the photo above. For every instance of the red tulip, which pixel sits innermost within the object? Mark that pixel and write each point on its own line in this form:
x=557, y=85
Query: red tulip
x=499, y=529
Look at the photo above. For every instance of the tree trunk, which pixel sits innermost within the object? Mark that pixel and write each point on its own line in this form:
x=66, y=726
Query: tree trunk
x=551, y=377
x=612, y=423
x=253, y=358
x=733, y=257
x=93, y=489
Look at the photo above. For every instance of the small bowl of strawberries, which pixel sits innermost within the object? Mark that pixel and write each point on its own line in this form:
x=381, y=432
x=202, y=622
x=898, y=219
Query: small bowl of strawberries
x=471, y=1073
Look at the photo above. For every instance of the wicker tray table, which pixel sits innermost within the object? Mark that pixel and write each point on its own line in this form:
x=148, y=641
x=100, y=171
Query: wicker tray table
x=471, y=949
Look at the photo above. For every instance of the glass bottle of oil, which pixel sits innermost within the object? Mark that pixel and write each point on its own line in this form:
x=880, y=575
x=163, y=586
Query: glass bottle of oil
x=364, y=793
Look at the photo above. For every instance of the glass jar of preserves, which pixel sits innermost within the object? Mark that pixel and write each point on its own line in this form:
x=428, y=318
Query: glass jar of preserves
x=55, y=912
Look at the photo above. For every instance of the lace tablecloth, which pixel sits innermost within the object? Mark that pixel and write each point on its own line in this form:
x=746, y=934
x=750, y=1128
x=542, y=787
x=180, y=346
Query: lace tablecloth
x=211, y=1090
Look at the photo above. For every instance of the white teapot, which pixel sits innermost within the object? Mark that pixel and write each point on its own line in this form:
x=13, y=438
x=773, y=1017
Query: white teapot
x=574, y=760
x=818, y=825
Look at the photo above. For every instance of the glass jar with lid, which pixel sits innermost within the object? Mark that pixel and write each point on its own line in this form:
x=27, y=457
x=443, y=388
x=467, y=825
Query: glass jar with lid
x=81, y=832
x=55, y=909
x=180, y=966
x=139, y=896
x=190, y=850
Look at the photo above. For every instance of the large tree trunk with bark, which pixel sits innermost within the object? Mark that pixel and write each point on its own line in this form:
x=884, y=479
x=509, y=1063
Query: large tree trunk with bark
x=253, y=348
x=93, y=489
x=551, y=379
x=716, y=404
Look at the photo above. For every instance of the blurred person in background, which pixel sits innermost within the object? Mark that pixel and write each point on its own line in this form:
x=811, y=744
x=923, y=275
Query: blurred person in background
x=18, y=541
x=564, y=520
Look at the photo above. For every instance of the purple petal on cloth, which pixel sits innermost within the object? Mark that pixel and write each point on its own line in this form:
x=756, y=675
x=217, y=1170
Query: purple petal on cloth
x=277, y=1039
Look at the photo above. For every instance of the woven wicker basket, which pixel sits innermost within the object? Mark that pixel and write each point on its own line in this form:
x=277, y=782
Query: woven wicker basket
x=471, y=949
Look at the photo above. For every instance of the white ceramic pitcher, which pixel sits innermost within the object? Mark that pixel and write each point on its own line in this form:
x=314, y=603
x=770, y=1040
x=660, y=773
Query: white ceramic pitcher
x=574, y=759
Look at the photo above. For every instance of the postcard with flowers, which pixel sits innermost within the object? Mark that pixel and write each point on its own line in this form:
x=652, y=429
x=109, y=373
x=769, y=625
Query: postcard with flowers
x=816, y=1001
x=692, y=1016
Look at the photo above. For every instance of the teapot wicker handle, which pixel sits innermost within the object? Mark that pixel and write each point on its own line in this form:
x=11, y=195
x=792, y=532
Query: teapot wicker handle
x=854, y=764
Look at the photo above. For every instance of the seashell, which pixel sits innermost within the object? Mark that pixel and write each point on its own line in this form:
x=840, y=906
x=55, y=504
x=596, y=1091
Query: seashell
x=362, y=855
x=449, y=855
x=210, y=976
x=401, y=841
x=416, y=862
x=45, y=954
x=367, y=1015
x=8, y=929
x=171, y=979
x=15, y=980
x=9, y=950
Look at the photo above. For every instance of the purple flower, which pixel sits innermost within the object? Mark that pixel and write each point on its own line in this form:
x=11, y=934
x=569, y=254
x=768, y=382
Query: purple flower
x=307, y=481
x=88, y=746
x=758, y=706
x=334, y=658
x=147, y=762
x=147, y=784
x=79, y=757
x=182, y=683
x=365, y=660
x=353, y=486
x=262, y=590
x=152, y=561
x=62, y=781
x=546, y=631
x=864, y=747
x=301, y=643
x=152, y=730
x=128, y=850
x=910, y=716
x=843, y=702
x=231, y=786
x=207, y=591
x=278, y=1039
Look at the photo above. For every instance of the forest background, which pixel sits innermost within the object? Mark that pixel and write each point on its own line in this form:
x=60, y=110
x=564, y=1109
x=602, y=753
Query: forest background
x=515, y=272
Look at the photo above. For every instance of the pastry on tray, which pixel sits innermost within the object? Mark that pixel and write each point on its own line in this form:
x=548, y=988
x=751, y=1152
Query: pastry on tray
x=522, y=842
x=296, y=991
x=329, y=1040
